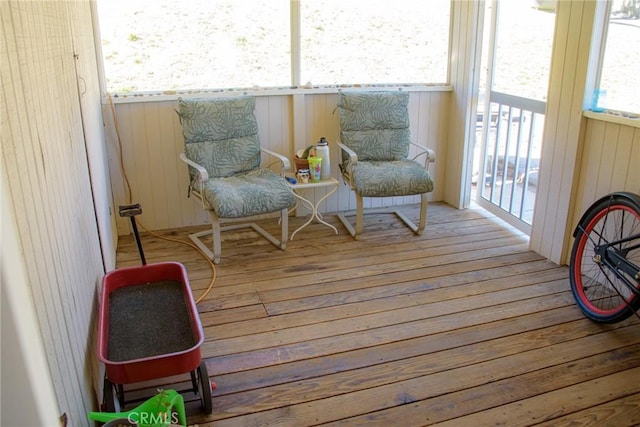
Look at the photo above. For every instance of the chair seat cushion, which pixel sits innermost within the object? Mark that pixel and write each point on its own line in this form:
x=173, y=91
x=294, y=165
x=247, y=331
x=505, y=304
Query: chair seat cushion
x=258, y=192
x=395, y=178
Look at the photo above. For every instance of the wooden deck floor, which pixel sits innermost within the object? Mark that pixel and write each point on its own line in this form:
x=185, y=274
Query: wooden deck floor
x=463, y=326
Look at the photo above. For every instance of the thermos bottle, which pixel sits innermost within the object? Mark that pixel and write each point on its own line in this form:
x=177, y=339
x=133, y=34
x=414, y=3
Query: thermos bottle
x=322, y=151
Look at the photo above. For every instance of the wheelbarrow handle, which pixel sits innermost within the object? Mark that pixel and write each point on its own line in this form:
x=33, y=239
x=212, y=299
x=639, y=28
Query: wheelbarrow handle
x=131, y=211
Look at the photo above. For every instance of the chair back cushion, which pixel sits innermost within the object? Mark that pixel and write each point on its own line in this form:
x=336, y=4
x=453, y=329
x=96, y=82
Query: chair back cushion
x=375, y=124
x=221, y=134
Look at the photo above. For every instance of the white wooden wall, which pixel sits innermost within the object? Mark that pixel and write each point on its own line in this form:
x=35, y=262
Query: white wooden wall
x=93, y=127
x=609, y=161
x=466, y=44
x=550, y=232
x=46, y=176
x=151, y=138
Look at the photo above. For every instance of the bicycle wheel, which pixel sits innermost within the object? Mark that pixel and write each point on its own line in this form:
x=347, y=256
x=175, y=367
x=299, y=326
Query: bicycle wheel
x=599, y=291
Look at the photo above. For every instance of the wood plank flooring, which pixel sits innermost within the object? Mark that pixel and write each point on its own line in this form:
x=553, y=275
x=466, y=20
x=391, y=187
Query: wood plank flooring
x=463, y=326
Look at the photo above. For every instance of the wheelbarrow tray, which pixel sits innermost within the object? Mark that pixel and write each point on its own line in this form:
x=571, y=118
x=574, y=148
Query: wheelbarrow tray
x=148, y=323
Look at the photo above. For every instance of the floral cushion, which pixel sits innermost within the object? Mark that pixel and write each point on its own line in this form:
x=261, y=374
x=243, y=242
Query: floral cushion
x=254, y=193
x=375, y=124
x=395, y=178
x=221, y=134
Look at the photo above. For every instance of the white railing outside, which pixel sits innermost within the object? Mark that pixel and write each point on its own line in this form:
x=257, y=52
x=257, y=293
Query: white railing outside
x=510, y=157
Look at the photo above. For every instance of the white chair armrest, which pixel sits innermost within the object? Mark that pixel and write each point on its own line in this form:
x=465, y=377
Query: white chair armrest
x=430, y=154
x=204, y=175
x=353, y=159
x=284, y=161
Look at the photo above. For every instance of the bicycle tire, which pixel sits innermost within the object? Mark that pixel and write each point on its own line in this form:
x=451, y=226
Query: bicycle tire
x=598, y=291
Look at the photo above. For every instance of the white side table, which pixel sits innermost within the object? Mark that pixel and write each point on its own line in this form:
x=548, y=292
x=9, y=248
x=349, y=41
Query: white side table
x=332, y=183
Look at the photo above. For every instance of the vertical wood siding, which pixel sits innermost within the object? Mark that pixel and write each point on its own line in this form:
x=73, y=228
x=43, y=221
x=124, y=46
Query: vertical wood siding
x=610, y=161
x=150, y=137
x=45, y=163
x=93, y=127
x=550, y=231
x=466, y=43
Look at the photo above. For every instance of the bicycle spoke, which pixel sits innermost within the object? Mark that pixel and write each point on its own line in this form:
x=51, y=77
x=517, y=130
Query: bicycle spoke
x=604, y=257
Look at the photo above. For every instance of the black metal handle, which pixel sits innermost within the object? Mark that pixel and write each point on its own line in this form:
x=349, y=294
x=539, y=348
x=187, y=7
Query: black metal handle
x=131, y=211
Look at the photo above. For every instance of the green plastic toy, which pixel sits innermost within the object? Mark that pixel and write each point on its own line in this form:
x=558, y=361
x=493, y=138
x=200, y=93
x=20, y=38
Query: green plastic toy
x=155, y=412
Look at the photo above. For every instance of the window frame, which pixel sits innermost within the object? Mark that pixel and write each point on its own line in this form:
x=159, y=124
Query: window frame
x=597, y=52
x=296, y=59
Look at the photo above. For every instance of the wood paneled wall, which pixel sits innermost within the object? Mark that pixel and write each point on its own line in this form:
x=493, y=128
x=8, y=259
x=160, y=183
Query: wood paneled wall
x=582, y=158
x=93, y=126
x=466, y=44
x=609, y=161
x=150, y=138
x=49, y=195
x=550, y=231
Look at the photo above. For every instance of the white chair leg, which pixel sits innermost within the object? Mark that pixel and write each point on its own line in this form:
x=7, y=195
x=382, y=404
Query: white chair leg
x=195, y=238
x=423, y=214
x=357, y=231
x=284, y=222
x=216, y=231
x=215, y=235
x=217, y=239
x=417, y=229
x=359, y=214
x=342, y=216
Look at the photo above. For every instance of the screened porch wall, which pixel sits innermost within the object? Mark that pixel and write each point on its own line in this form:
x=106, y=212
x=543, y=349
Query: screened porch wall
x=151, y=139
x=609, y=161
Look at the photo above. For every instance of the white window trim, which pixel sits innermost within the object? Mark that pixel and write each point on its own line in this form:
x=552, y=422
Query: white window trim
x=594, y=70
x=296, y=46
x=596, y=55
x=295, y=89
x=285, y=91
x=627, y=119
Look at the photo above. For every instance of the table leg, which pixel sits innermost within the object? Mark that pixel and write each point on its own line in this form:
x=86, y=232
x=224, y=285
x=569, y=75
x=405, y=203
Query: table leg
x=314, y=210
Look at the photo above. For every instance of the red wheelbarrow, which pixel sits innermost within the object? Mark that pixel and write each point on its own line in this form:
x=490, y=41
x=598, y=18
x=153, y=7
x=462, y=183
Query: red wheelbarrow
x=149, y=328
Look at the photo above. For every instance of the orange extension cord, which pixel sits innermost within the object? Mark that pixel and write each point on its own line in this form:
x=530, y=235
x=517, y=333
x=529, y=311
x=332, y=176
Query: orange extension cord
x=126, y=179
